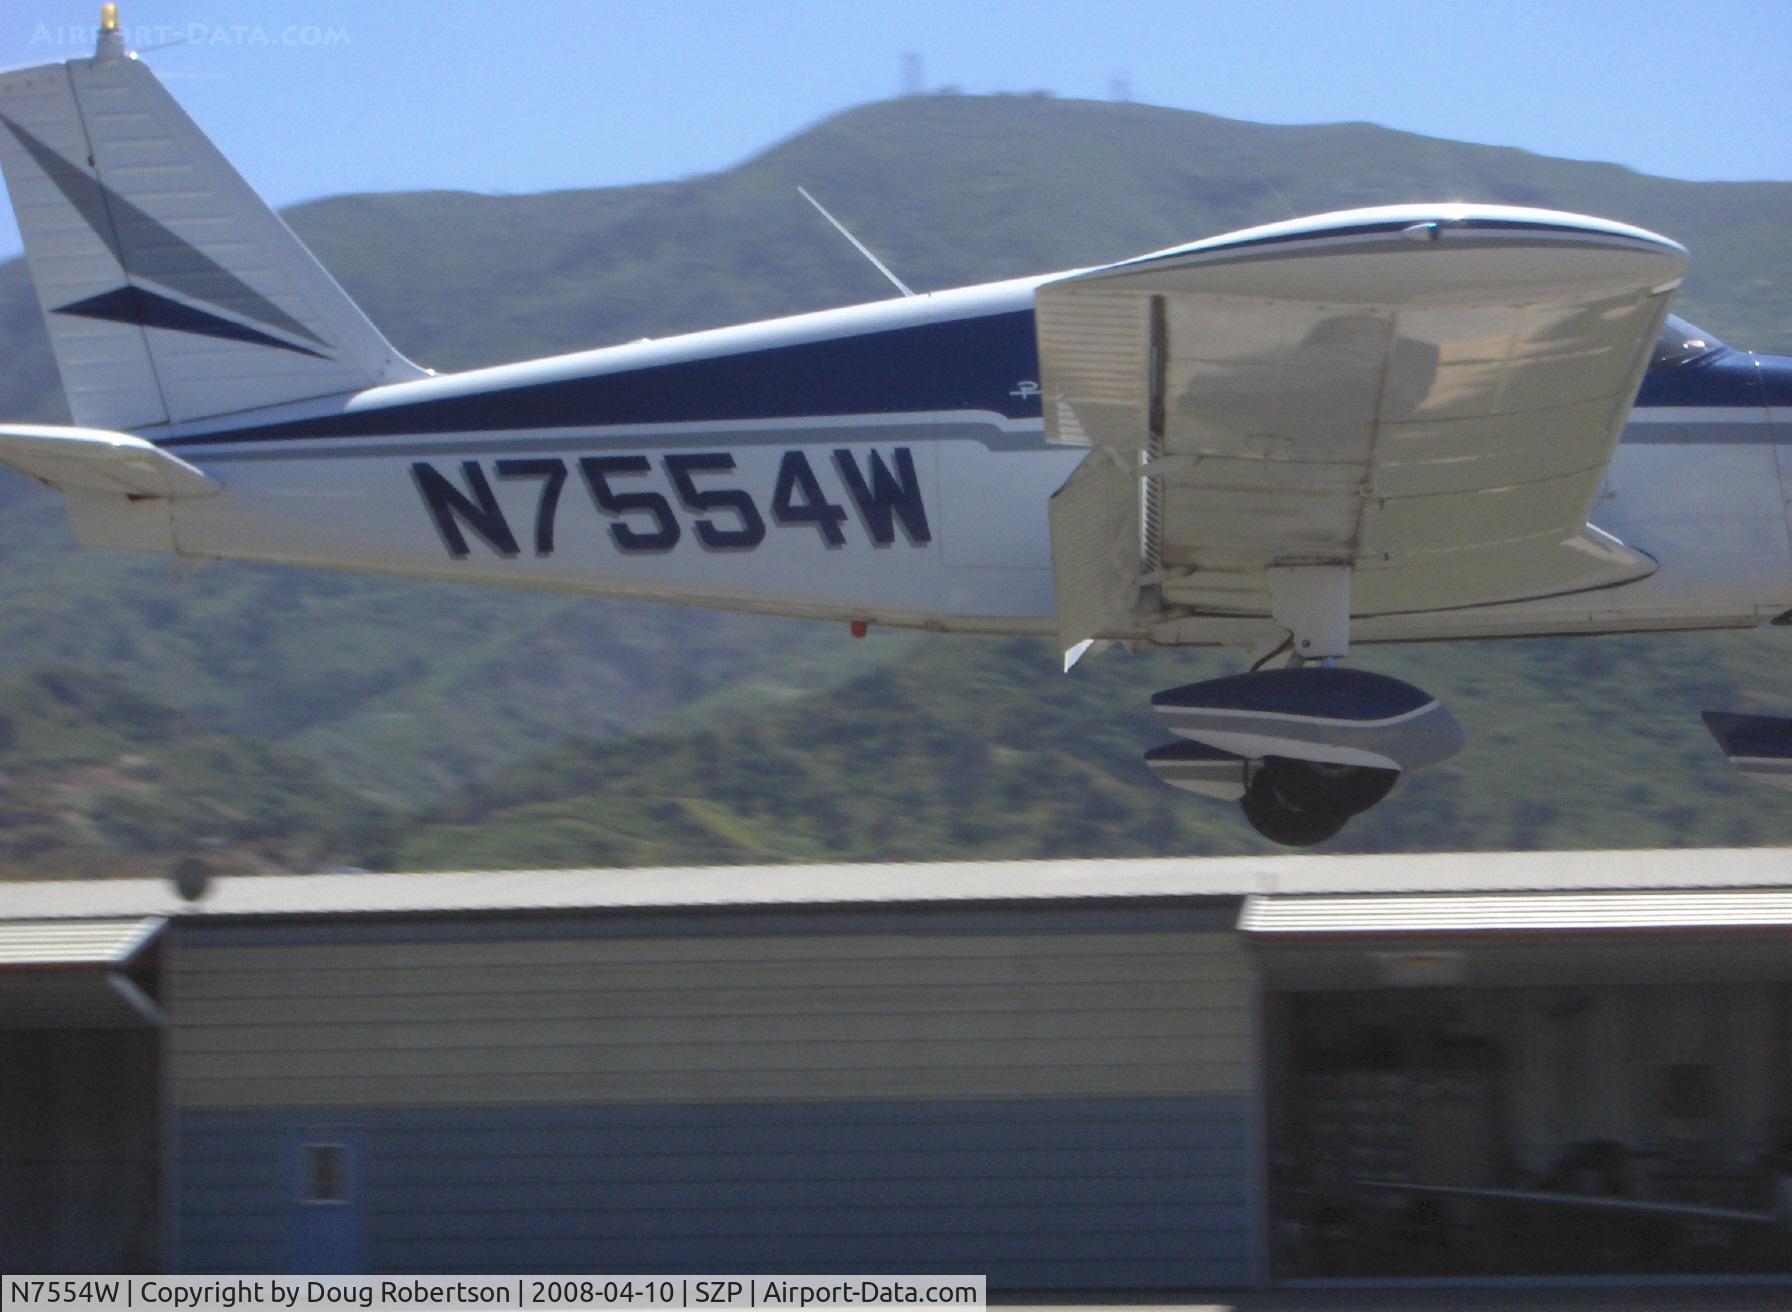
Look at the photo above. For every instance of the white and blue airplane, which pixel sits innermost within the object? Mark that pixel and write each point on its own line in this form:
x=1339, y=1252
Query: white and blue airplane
x=1416, y=423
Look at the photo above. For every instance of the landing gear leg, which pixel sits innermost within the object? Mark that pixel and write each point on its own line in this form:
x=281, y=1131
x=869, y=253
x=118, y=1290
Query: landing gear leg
x=1277, y=739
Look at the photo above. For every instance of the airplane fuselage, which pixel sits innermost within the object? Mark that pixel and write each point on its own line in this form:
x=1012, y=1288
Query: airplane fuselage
x=884, y=462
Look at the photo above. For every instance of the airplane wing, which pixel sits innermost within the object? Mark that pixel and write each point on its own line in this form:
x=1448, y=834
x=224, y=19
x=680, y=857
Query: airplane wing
x=96, y=460
x=1427, y=394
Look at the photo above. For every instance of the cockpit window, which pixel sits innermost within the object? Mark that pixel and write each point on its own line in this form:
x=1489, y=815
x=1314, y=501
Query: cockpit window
x=1681, y=341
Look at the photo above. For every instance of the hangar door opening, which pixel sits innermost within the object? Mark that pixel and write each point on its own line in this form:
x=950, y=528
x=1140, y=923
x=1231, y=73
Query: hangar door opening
x=1529, y=1104
x=80, y=1110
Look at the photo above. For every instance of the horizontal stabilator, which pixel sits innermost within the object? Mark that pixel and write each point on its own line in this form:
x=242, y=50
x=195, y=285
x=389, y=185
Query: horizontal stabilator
x=1329, y=715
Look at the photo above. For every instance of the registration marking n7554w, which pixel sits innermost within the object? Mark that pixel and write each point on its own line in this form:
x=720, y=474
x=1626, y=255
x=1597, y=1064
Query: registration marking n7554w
x=655, y=504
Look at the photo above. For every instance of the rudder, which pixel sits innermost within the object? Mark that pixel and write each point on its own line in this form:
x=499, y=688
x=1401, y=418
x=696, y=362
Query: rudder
x=170, y=290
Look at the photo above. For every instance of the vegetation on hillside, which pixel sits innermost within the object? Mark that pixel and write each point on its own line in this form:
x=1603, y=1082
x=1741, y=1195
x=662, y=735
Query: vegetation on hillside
x=981, y=748
x=102, y=781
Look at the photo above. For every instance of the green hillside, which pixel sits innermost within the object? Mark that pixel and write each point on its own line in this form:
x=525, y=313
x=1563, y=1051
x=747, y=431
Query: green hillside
x=102, y=781
x=977, y=748
x=463, y=700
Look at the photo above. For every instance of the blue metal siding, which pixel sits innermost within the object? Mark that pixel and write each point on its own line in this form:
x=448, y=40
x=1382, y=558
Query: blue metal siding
x=233, y=1186
x=1086, y=1193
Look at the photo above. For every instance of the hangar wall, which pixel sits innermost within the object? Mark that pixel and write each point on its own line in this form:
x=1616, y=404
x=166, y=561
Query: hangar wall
x=1057, y=1094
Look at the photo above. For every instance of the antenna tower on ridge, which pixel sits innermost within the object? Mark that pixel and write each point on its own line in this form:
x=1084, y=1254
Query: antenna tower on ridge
x=911, y=73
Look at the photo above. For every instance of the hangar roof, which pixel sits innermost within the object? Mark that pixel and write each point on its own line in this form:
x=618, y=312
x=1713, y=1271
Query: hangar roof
x=86, y=942
x=67, y=974
x=966, y=881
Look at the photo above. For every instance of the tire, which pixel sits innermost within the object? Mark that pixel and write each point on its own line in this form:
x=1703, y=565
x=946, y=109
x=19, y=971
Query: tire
x=1280, y=823
x=1315, y=786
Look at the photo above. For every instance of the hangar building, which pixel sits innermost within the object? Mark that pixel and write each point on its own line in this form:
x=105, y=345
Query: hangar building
x=1092, y=1075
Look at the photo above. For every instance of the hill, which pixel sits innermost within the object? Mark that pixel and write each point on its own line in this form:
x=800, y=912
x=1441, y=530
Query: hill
x=102, y=781
x=975, y=748
x=410, y=694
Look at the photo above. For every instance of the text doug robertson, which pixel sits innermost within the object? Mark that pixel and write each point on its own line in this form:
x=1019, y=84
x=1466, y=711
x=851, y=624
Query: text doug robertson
x=317, y=1293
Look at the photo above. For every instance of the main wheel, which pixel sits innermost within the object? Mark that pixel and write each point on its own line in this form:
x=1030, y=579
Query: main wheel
x=1319, y=786
x=1280, y=823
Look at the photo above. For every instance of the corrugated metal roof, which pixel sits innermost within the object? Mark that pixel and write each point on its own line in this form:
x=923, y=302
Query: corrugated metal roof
x=1705, y=908
x=957, y=881
x=39, y=943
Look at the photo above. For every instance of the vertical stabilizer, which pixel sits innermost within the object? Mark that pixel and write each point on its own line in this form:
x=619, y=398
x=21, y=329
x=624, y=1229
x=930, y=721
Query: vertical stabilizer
x=170, y=290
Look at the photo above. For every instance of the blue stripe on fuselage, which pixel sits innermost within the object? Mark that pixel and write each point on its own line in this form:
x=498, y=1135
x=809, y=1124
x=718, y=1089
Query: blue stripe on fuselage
x=975, y=363
x=1722, y=378
x=956, y=365
x=1776, y=379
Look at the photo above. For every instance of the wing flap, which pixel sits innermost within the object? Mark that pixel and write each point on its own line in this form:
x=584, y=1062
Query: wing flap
x=96, y=460
x=1095, y=534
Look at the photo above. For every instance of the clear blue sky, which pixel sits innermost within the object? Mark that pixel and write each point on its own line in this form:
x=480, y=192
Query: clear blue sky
x=330, y=96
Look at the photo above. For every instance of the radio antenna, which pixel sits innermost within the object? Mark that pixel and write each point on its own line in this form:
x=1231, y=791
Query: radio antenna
x=858, y=245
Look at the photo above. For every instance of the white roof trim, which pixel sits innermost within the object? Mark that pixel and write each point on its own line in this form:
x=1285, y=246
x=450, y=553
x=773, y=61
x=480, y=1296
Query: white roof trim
x=932, y=882
x=1711, y=908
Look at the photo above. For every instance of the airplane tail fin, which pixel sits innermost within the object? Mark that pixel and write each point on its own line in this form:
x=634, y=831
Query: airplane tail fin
x=170, y=290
